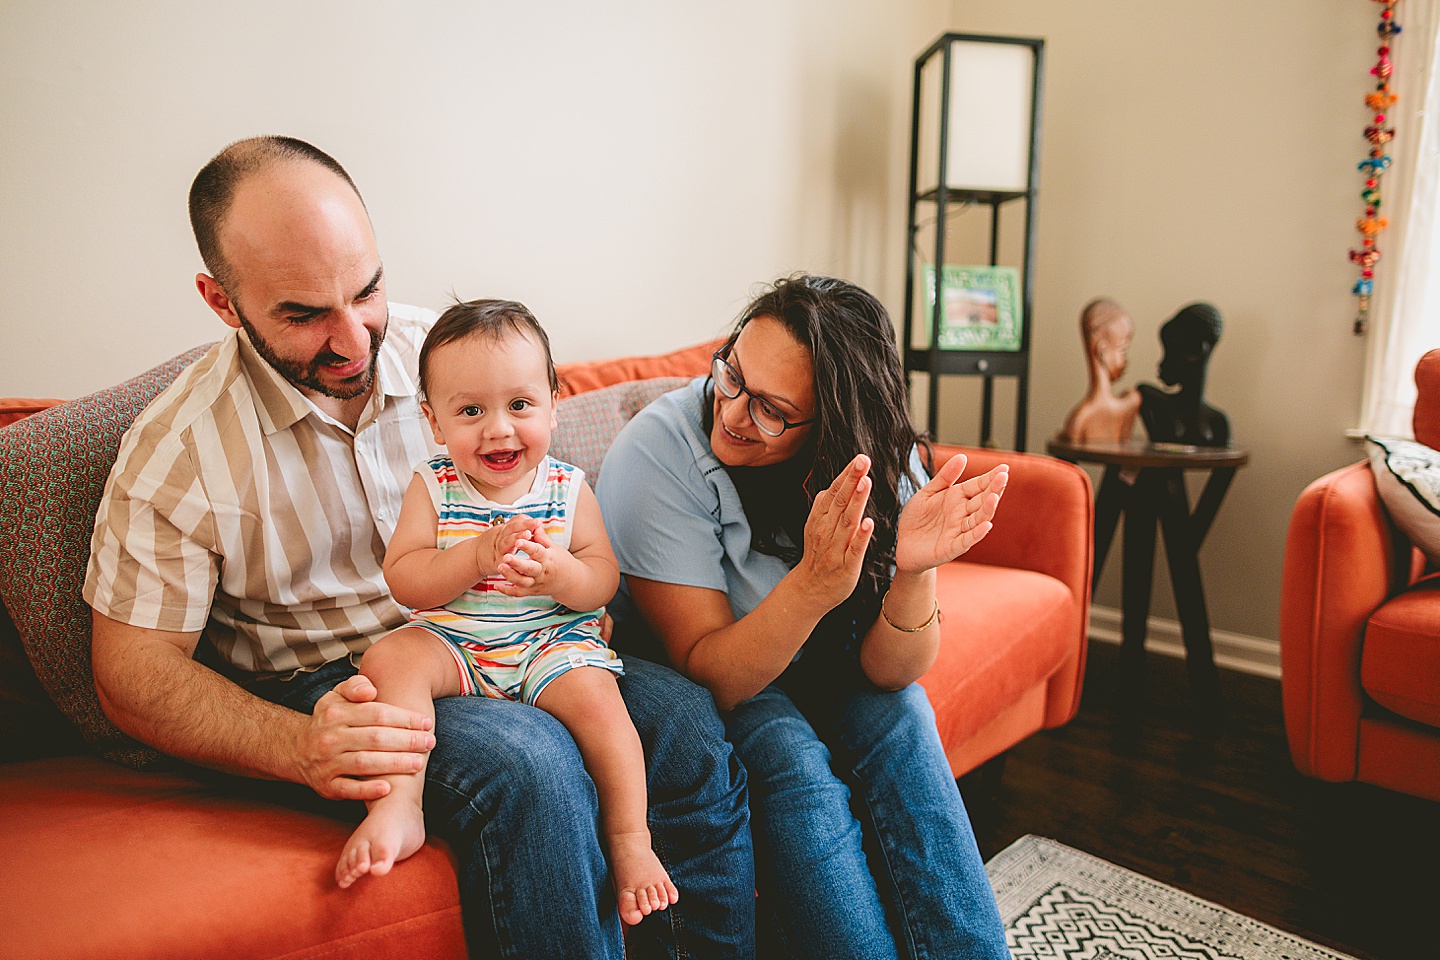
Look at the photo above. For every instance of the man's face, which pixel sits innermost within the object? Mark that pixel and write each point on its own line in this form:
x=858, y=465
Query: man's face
x=325, y=372
x=306, y=281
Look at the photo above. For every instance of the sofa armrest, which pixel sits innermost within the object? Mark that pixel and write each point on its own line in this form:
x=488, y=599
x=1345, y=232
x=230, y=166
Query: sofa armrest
x=1046, y=518
x=1342, y=560
x=1045, y=523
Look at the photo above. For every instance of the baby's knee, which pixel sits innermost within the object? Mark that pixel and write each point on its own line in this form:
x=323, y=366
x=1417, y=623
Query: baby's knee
x=396, y=654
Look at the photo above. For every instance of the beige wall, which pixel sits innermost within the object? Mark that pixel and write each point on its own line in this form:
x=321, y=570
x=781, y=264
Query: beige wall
x=628, y=169
x=1206, y=151
x=631, y=169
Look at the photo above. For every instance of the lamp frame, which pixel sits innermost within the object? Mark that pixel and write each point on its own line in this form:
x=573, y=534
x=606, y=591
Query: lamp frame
x=987, y=364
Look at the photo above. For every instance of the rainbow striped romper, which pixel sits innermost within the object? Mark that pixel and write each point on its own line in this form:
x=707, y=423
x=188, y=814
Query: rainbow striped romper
x=510, y=648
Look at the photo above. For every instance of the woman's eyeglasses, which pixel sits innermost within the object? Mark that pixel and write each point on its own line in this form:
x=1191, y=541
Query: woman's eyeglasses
x=769, y=420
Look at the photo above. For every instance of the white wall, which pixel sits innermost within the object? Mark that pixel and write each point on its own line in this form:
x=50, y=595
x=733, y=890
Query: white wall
x=1206, y=151
x=628, y=169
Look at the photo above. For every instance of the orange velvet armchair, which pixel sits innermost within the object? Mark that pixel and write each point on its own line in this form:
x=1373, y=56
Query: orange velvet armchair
x=1360, y=630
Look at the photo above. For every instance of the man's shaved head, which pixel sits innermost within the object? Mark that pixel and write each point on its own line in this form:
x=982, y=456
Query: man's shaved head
x=214, y=188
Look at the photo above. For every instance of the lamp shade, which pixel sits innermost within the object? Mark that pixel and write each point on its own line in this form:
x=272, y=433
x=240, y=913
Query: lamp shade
x=991, y=99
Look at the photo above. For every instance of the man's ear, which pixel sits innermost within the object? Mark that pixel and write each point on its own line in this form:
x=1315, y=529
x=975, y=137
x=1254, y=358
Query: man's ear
x=217, y=299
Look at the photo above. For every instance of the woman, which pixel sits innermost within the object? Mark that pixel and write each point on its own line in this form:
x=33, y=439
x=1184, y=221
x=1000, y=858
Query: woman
x=774, y=534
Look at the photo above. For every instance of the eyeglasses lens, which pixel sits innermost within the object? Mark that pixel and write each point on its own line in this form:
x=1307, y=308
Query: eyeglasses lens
x=728, y=382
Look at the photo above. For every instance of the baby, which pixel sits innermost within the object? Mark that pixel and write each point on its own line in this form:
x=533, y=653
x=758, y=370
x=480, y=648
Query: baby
x=502, y=553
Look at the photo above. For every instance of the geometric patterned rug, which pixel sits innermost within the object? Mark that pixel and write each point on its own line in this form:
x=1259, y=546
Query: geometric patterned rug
x=1060, y=904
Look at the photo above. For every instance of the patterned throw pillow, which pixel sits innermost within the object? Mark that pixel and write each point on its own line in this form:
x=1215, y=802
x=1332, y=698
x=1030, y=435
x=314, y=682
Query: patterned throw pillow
x=53, y=467
x=1407, y=476
x=589, y=421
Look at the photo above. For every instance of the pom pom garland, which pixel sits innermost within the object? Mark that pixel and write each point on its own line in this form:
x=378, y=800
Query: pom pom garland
x=1375, y=165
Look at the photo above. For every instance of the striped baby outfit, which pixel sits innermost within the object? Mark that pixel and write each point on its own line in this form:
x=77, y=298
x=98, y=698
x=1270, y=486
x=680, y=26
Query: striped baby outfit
x=506, y=647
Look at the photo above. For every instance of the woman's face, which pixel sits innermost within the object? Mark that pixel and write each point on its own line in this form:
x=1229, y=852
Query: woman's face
x=775, y=367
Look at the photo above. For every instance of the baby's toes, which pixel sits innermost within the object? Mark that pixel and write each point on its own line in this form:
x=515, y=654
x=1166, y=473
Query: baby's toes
x=630, y=913
x=656, y=896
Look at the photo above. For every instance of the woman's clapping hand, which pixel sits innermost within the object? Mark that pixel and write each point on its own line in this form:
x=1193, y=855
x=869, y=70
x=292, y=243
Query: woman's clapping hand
x=947, y=517
x=837, y=534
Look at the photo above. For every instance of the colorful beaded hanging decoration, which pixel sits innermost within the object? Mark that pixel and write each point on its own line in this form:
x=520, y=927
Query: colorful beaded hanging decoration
x=1374, y=166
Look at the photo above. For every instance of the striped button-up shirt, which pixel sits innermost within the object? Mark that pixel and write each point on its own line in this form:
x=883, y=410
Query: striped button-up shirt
x=238, y=509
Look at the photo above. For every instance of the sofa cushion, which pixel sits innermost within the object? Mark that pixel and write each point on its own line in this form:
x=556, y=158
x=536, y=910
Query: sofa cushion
x=30, y=723
x=18, y=408
x=577, y=378
x=1006, y=631
x=1400, y=660
x=118, y=864
x=53, y=467
x=588, y=422
x=1407, y=476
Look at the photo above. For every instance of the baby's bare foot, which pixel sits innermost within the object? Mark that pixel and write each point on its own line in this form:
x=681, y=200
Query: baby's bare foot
x=391, y=832
x=641, y=884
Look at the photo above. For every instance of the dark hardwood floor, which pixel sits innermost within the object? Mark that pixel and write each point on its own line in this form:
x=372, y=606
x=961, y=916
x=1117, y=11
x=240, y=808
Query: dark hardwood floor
x=1209, y=802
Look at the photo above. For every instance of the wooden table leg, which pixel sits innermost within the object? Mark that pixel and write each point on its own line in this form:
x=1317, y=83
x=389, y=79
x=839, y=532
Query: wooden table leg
x=1109, y=501
x=1138, y=571
x=1182, y=549
x=1209, y=502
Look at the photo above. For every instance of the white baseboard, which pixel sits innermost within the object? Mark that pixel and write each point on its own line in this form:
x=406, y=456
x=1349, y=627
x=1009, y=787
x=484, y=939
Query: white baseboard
x=1234, y=651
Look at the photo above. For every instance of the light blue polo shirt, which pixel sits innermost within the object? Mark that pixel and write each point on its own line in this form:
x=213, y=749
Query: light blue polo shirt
x=674, y=515
x=671, y=510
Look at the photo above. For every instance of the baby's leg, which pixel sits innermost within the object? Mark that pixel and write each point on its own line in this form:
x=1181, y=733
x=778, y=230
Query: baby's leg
x=587, y=700
x=410, y=668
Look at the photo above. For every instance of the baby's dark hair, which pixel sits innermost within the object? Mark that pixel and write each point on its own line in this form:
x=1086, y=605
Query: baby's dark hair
x=494, y=319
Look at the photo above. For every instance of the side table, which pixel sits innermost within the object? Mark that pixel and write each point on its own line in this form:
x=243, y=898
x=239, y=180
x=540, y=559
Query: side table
x=1147, y=483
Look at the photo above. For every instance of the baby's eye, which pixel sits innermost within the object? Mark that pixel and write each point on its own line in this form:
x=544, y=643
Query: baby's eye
x=519, y=405
x=470, y=411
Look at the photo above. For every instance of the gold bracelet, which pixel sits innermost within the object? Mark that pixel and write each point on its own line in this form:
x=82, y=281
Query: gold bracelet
x=935, y=615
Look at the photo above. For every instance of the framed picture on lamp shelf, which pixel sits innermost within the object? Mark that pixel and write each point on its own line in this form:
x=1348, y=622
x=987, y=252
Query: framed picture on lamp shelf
x=981, y=307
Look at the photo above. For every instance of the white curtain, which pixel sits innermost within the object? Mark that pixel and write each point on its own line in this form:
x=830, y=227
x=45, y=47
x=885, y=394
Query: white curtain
x=1405, y=316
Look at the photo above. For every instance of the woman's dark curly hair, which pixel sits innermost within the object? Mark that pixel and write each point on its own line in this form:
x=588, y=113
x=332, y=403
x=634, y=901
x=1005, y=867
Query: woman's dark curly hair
x=860, y=407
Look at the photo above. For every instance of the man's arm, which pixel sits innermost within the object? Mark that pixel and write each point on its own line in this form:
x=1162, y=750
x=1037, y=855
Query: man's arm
x=152, y=689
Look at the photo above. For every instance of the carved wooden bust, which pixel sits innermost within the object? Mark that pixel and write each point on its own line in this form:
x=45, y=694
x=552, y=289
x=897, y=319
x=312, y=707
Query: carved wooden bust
x=1180, y=414
x=1102, y=415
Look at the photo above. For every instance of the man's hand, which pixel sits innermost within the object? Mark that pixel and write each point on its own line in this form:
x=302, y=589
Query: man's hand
x=351, y=740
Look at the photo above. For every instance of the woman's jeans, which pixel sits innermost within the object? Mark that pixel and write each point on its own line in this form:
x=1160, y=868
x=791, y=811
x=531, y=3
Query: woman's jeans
x=862, y=844
x=507, y=790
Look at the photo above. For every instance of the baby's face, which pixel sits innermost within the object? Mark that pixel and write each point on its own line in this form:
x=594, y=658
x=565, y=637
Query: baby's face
x=489, y=402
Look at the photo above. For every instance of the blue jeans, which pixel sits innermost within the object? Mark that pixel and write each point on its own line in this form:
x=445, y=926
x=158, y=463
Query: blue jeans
x=507, y=790
x=862, y=844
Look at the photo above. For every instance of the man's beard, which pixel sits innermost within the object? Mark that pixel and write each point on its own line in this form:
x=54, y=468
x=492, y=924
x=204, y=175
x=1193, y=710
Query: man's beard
x=307, y=375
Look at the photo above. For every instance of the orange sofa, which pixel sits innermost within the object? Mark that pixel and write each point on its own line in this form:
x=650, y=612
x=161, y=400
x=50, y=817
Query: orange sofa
x=1360, y=630
x=103, y=860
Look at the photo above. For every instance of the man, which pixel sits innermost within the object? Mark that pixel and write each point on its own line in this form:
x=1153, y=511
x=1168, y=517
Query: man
x=246, y=520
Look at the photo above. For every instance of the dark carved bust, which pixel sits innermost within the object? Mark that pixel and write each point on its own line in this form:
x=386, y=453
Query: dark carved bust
x=1180, y=414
